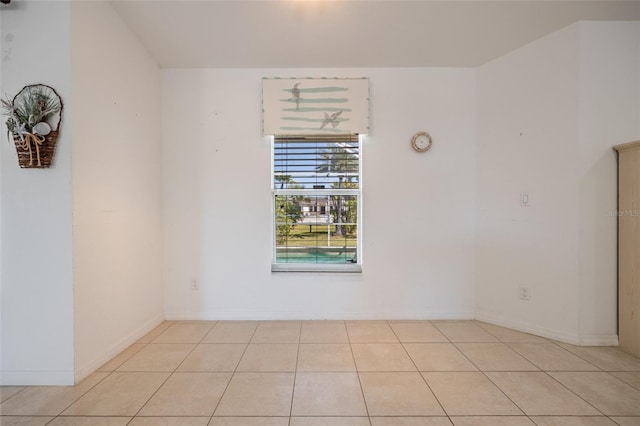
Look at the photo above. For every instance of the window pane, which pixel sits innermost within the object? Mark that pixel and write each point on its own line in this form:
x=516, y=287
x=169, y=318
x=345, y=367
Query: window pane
x=316, y=228
x=316, y=189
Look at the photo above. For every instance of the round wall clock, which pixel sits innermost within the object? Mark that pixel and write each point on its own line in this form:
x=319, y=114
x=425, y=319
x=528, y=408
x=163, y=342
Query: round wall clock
x=421, y=142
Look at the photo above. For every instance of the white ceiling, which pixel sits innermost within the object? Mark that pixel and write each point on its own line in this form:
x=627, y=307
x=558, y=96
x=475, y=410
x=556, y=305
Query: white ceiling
x=345, y=34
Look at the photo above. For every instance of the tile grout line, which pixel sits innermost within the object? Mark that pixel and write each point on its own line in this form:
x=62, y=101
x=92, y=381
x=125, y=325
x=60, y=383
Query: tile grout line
x=14, y=395
x=489, y=378
x=194, y=347
x=295, y=374
x=233, y=373
x=503, y=392
x=542, y=371
x=571, y=390
x=152, y=338
x=619, y=349
x=353, y=358
x=420, y=372
x=144, y=345
x=171, y=373
x=602, y=370
x=78, y=398
x=577, y=356
x=624, y=381
x=441, y=332
x=472, y=363
x=546, y=372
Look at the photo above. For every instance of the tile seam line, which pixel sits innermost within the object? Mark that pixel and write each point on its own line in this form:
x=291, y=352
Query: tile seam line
x=575, y=393
x=295, y=374
x=233, y=373
x=420, y=373
x=78, y=398
x=235, y=370
x=353, y=358
x=171, y=373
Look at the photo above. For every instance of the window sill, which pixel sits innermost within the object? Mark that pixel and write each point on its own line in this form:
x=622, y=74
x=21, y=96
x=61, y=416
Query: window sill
x=312, y=267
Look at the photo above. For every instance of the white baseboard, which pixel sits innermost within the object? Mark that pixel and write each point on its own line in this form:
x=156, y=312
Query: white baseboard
x=36, y=378
x=295, y=315
x=558, y=335
x=117, y=347
x=599, y=340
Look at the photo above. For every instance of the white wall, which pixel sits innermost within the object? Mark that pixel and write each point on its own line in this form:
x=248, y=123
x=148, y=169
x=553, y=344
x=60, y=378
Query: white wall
x=608, y=107
x=548, y=115
x=117, y=206
x=36, y=244
x=609, y=80
x=419, y=209
x=1, y=156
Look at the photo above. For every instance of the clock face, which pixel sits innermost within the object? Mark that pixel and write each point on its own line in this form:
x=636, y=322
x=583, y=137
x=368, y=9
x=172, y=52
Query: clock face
x=421, y=142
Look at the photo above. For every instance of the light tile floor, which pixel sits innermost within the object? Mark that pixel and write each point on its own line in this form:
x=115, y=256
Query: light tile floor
x=341, y=373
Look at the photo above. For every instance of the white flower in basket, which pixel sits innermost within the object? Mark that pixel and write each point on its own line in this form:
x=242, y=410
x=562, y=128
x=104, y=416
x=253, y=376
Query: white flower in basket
x=34, y=117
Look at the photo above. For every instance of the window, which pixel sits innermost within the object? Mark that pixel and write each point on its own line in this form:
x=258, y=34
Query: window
x=316, y=203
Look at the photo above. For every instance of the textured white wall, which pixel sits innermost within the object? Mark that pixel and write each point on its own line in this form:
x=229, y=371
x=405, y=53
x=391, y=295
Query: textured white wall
x=117, y=206
x=527, y=142
x=419, y=209
x=609, y=108
x=548, y=115
x=37, y=276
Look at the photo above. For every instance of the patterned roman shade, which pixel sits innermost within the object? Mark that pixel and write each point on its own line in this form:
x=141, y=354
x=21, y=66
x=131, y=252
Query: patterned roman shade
x=312, y=106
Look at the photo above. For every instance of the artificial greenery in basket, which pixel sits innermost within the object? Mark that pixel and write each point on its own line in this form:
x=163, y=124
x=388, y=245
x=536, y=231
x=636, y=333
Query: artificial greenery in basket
x=35, y=115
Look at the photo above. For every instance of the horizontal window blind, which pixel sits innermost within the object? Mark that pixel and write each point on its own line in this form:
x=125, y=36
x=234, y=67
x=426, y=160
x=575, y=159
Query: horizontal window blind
x=316, y=190
x=316, y=162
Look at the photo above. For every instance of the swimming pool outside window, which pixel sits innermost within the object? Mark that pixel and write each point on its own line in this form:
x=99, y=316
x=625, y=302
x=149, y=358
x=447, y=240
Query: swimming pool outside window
x=316, y=203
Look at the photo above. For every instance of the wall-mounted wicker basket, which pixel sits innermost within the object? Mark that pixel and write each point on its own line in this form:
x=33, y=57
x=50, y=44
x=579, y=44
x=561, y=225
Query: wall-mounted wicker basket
x=37, y=151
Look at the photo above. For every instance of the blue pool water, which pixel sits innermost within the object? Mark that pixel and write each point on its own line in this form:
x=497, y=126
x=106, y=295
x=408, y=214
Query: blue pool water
x=296, y=255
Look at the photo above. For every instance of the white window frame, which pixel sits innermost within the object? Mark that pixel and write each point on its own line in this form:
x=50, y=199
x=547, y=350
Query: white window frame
x=317, y=267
